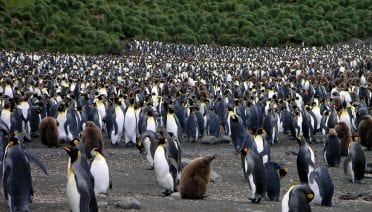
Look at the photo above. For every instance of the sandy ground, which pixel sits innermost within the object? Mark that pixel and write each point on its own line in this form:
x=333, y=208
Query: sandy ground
x=132, y=179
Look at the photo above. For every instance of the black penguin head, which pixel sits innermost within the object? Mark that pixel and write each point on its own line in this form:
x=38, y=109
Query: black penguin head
x=299, y=140
x=260, y=131
x=75, y=142
x=13, y=141
x=244, y=151
x=73, y=152
x=162, y=140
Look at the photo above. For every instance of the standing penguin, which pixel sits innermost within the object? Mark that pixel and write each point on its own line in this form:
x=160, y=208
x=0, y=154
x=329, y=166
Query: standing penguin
x=192, y=130
x=166, y=167
x=212, y=123
x=130, y=124
x=260, y=145
x=239, y=134
x=91, y=138
x=62, y=119
x=17, y=180
x=355, y=163
x=321, y=184
x=298, y=198
x=195, y=178
x=332, y=149
x=48, y=130
x=100, y=172
x=80, y=183
x=172, y=123
x=254, y=170
x=274, y=173
x=146, y=144
x=305, y=160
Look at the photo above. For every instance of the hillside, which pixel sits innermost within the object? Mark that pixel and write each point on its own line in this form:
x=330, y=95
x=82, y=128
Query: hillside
x=103, y=26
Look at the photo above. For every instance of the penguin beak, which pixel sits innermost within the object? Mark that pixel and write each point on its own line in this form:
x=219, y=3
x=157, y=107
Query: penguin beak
x=67, y=148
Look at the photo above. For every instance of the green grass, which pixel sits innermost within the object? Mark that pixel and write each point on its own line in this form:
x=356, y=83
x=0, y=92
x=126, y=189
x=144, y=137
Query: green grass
x=78, y=25
x=19, y=3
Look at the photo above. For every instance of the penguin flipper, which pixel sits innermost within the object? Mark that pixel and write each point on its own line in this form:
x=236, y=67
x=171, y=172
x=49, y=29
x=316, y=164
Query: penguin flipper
x=116, y=127
x=38, y=162
x=5, y=184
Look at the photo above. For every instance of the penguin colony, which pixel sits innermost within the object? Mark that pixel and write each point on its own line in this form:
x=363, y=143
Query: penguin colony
x=156, y=104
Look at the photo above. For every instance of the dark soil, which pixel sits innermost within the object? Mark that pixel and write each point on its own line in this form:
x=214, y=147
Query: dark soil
x=132, y=179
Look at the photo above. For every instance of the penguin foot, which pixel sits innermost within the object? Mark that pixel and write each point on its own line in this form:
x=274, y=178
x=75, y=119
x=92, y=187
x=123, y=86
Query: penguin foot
x=115, y=144
x=150, y=168
x=130, y=144
x=167, y=192
x=255, y=200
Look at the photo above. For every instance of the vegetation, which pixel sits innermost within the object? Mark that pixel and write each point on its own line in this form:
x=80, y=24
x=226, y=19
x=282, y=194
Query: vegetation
x=103, y=26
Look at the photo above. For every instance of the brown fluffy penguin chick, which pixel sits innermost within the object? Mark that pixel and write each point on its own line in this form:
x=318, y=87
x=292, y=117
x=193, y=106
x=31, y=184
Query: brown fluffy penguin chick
x=48, y=129
x=195, y=178
x=343, y=133
x=92, y=138
x=365, y=132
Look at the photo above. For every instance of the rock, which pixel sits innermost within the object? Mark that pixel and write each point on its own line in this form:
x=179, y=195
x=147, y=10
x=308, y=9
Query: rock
x=208, y=139
x=224, y=139
x=349, y=196
x=129, y=203
x=215, y=177
x=175, y=194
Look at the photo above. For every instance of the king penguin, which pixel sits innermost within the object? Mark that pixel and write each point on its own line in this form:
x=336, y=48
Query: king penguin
x=17, y=180
x=100, y=172
x=321, y=184
x=274, y=173
x=355, y=163
x=192, y=130
x=332, y=149
x=212, y=123
x=297, y=199
x=172, y=123
x=165, y=167
x=146, y=144
x=305, y=160
x=254, y=170
x=260, y=145
x=80, y=183
x=130, y=124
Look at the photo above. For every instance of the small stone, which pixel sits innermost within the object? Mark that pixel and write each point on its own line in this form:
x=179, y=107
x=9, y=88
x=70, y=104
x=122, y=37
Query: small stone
x=129, y=203
x=215, y=177
x=175, y=194
x=208, y=139
x=224, y=139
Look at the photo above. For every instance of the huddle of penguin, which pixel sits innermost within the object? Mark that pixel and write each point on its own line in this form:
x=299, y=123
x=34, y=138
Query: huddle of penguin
x=263, y=174
x=163, y=153
x=315, y=186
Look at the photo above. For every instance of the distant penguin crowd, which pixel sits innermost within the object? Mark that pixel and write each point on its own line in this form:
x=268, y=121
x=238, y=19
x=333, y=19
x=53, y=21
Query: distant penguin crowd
x=157, y=96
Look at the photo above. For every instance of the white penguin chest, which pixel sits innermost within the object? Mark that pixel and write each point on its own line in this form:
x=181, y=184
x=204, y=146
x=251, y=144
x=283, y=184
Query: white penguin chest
x=119, y=118
x=161, y=165
x=151, y=124
x=73, y=194
x=172, y=125
x=130, y=122
x=100, y=173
